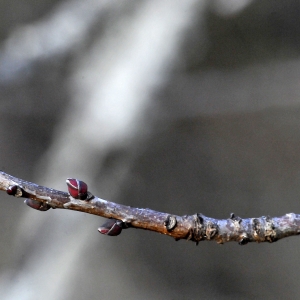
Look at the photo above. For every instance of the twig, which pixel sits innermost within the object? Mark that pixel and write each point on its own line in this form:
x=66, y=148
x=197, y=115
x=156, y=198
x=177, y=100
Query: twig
x=195, y=227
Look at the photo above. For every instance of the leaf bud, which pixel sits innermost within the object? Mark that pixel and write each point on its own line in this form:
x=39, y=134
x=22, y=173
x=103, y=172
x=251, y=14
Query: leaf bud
x=112, y=227
x=41, y=206
x=77, y=188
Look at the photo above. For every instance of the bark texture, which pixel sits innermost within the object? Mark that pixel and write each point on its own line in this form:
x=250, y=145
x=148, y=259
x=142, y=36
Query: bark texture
x=195, y=227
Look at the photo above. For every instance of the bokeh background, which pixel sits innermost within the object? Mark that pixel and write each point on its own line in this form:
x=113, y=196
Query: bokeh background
x=180, y=106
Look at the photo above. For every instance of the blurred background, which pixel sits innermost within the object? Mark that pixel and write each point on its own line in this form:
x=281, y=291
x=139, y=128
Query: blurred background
x=180, y=106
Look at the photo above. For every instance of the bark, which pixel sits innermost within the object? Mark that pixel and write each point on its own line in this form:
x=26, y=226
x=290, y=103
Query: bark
x=195, y=227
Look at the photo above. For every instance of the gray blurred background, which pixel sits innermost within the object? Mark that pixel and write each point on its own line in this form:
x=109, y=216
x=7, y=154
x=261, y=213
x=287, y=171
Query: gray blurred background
x=180, y=106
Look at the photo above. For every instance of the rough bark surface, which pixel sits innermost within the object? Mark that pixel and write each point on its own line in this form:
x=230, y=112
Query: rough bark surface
x=195, y=227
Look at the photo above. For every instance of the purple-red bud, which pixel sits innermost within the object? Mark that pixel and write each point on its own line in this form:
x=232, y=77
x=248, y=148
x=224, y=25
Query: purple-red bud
x=112, y=227
x=12, y=190
x=15, y=190
x=37, y=204
x=77, y=188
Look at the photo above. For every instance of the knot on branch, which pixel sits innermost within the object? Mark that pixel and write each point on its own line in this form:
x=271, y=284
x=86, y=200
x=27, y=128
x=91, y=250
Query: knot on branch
x=264, y=229
x=270, y=233
x=170, y=222
x=243, y=238
x=236, y=220
x=202, y=228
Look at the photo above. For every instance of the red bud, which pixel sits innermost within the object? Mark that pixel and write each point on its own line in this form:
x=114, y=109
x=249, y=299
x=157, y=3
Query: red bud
x=37, y=205
x=12, y=190
x=15, y=190
x=77, y=188
x=112, y=227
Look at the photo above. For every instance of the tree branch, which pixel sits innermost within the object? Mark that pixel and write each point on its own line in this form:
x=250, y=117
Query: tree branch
x=195, y=227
